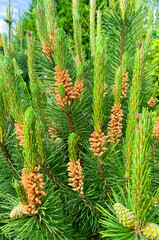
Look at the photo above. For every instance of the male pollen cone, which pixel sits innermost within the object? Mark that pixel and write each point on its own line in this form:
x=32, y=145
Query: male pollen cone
x=115, y=126
x=76, y=176
x=62, y=77
x=151, y=102
x=34, y=185
x=97, y=142
x=19, y=131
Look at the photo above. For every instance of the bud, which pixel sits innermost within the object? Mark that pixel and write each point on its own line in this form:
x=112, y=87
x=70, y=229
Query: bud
x=138, y=117
x=139, y=44
x=29, y=34
x=72, y=147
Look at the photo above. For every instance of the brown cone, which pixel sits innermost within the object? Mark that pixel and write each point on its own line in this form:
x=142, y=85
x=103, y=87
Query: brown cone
x=62, y=77
x=156, y=130
x=76, y=176
x=97, y=142
x=20, y=133
x=48, y=50
x=33, y=183
x=151, y=102
x=115, y=126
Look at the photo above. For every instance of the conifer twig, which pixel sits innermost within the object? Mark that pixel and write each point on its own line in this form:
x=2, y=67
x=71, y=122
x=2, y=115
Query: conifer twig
x=43, y=225
x=51, y=176
x=70, y=120
x=8, y=158
x=103, y=177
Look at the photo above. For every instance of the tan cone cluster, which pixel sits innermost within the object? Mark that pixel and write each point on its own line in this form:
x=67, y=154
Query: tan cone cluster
x=47, y=50
x=34, y=185
x=62, y=77
x=124, y=84
x=97, y=142
x=77, y=90
x=76, y=176
x=19, y=131
x=124, y=215
x=151, y=231
x=151, y=102
x=17, y=211
x=156, y=130
x=115, y=126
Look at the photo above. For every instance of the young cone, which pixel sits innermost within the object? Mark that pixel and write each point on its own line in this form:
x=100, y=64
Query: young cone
x=151, y=231
x=125, y=216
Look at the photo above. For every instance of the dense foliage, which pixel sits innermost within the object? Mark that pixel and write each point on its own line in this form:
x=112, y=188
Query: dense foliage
x=79, y=142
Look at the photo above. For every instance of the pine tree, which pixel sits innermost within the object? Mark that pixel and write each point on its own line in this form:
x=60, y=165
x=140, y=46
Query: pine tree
x=79, y=143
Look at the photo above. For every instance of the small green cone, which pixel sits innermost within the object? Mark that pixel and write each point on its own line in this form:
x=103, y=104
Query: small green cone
x=124, y=215
x=151, y=231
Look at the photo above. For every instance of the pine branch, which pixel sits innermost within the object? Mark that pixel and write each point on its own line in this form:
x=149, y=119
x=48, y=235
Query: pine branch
x=70, y=120
x=89, y=204
x=87, y=82
x=122, y=43
x=8, y=158
x=43, y=225
x=103, y=177
x=51, y=176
